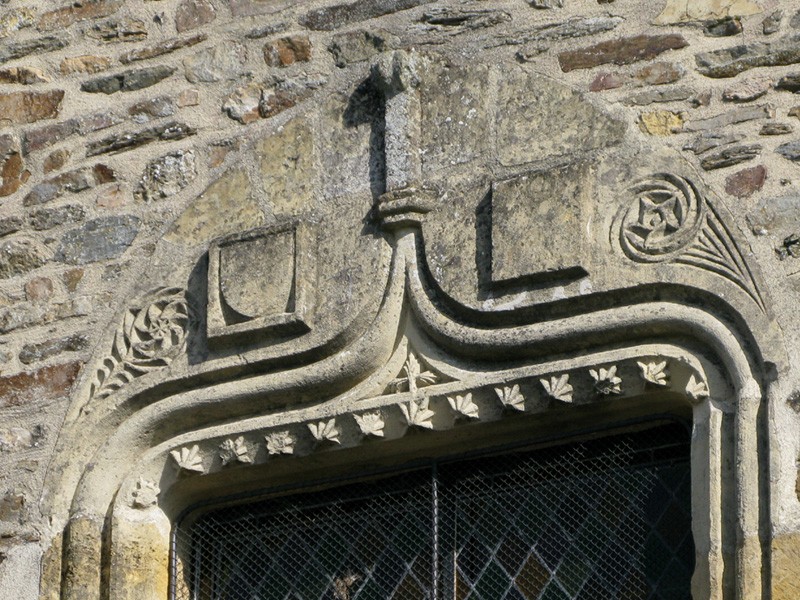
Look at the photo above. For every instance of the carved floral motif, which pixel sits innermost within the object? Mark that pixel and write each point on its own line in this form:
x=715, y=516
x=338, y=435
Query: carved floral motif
x=146, y=493
x=150, y=337
x=189, y=459
x=464, y=406
x=558, y=387
x=234, y=451
x=511, y=397
x=655, y=372
x=370, y=423
x=325, y=431
x=418, y=413
x=696, y=389
x=280, y=442
x=414, y=377
x=606, y=381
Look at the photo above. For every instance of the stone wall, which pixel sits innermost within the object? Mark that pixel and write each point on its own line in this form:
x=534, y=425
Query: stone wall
x=136, y=131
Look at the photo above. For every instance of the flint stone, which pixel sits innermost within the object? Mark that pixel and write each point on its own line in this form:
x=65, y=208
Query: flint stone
x=746, y=182
x=772, y=22
x=222, y=61
x=128, y=81
x=711, y=140
x=731, y=117
x=357, y=46
x=162, y=48
x=776, y=129
x=48, y=218
x=730, y=156
x=99, y=239
x=31, y=353
x=12, y=167
x=659, y=95
x=16, y=50
x=134, y=139
x=790, y=151
x=29, y=107
x=85, y=64
x=621, y=51
x=338, y=15
x=124, y=29
x=20, y=256
x=729, y=62
x=166, y=176
x=192, y=14
x=62, y=18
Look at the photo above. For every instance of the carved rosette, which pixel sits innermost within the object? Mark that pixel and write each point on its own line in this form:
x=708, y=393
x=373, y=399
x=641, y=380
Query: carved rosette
x=152, y=334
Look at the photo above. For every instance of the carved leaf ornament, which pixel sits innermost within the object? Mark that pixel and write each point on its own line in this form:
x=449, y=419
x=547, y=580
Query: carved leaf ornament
x=415, y=377
x=150, y=337
x=511, y=397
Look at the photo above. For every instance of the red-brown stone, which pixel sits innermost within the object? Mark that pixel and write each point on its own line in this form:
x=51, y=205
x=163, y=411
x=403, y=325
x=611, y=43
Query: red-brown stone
x=77, y=11
x=746, y=182
x=620, y=51
x=287, y=50
x=606, y=81
x=194, y=13
x=12, y=173
x=45, y=384
x=29, y=107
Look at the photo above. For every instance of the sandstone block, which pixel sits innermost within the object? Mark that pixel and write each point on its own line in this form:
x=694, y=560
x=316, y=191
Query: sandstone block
x=661, y=122
x=23, y=75
x=222, y=61
x=29, y=107
x=61, y=18
x=12, y=167
x=287, y=50
x=88, y=63
x=659, y=73
x=192, y=14
x=622, y=51
x=746, y=91
x=99, y=239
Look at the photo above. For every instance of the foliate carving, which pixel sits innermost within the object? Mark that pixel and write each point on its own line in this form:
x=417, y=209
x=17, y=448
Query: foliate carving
x=418, y=413
x=558, y=387
x=325, y=431
x=414, y=376
x=234, y=451
x=151, y=335
x=606, y=381
x=665, y=217
x=654, y=372
x=370, y=423
x=146, y=493
x=464, y=406
x=696, y=389
x=511, y=397
x=280, y=442
x=189, y=459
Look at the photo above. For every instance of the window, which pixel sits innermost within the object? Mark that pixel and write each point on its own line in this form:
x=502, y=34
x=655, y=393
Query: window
x=599, y=518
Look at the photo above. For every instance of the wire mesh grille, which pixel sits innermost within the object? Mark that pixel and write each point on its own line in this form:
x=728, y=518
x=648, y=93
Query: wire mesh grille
x=602, y=519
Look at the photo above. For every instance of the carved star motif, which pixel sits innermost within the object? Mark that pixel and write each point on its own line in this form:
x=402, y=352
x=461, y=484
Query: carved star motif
x=370, y=423
x=280, y=442
x=658, y=217
x=234, y=451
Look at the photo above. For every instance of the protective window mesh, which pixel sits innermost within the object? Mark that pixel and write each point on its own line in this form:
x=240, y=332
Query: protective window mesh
x=602, y=519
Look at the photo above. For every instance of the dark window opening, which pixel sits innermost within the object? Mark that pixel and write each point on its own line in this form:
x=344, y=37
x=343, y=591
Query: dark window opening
x=600, y=519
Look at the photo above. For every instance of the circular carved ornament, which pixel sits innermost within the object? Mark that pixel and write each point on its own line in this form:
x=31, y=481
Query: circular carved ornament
x=664, y=217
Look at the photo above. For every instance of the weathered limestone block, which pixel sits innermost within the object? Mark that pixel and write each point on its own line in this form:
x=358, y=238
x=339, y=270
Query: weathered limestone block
x=287, y=167
x=786, y=566
x=140, y=558
x=88, y=63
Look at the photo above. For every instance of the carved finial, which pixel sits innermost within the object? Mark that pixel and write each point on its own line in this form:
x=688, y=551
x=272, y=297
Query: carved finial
x=234, y=451
x=696, y=390
x=511, y=397
x=189, y=459
x=464, y=406
x=146, y=493
x=371, y=423
x=415, y=377
x=655, y=372
x=280, y=442
x=325, y=431
x=418, y=414
x=606, y=381
x=558, y=388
